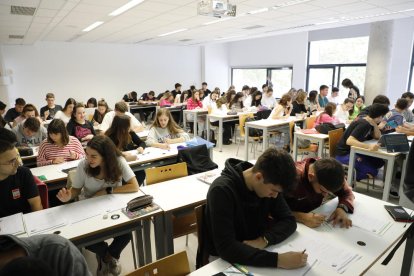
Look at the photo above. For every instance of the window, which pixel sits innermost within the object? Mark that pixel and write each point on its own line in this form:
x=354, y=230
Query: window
x=331, y=61
x=411, y=78
x=280, y=77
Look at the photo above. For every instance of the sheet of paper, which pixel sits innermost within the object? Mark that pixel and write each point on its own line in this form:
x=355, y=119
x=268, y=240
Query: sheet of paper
x=12, y=225
x=69, y=165
x=370, y=224
x=46, y=220
x=209, y=177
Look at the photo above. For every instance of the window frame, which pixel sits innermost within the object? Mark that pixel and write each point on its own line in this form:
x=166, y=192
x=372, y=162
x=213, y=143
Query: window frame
x=410, y=76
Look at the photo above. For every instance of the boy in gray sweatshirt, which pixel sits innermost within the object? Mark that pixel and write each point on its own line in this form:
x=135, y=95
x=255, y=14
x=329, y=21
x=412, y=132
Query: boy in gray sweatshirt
x=30, y=133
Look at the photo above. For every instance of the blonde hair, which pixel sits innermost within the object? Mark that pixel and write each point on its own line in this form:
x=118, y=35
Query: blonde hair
x=172, y=126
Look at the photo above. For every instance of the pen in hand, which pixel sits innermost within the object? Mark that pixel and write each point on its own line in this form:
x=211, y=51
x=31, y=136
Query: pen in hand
x=303, y=252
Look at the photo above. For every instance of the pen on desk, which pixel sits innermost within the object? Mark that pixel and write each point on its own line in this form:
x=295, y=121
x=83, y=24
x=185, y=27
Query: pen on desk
x=304, y=251
x=243, y=269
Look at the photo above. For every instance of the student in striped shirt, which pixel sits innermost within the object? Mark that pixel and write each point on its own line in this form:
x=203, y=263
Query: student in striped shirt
x=59, y=147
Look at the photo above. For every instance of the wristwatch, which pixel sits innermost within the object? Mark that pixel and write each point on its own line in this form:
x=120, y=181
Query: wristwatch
x=108, y=190
x=343, y=207
x=266, y=241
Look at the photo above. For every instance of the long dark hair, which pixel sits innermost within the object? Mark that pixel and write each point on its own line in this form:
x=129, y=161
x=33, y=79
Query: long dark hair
x=107, y=149
x=119, y=131
x=254, y=101
x=57, y=126
x=69, y=102
x=235, y=100
x=229, y=94
x=351, y=111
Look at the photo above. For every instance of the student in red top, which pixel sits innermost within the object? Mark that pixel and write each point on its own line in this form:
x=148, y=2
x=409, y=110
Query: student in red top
x=327, y=116
x=18, y=190
x=318, y=180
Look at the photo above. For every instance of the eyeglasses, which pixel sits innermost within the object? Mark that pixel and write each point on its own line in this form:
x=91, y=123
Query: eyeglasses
x=13, y=162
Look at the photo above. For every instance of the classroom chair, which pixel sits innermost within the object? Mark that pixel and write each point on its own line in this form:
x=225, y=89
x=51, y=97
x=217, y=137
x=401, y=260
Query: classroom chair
x=310, y=122
x=184, y=223
x=202, y=253
x=43, y=192
x=254, y=140
x=173, y=265
x=312, y=148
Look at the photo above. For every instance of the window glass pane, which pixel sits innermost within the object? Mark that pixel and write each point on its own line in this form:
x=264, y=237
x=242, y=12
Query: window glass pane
x=250, y=77
x=412, y=80
x=319, y=76
x=281, y=80
x=348, y=50
x=356, y=74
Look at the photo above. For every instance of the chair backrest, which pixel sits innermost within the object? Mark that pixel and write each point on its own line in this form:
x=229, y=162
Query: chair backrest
x=334, y=137
x=291, y=128
x=310, y=122
x=197, y=158
x=164, y=173
x=202, y=253
x=43, y=192
x=242, y=122
x=173, y=265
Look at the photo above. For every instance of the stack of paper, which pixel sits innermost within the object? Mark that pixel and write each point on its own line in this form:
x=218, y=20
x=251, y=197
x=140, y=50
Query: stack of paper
x=370, y=224
x=12, y=225
x=209, y=177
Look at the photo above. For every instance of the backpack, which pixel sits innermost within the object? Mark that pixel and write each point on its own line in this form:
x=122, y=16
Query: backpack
x=324, y=128
x=253, y=132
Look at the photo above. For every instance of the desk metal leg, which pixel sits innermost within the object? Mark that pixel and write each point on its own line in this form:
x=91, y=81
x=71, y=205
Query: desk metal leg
x=295, y=147
x=195, y=124
x=184, y=120
x=147, y=240
x=159, y=236
x=351, y=165
x=265, y=139
x=220, y=138
x=321, y=144
x=140, y=245
x=388, y=178
x=168, y=226
x=408, y=255
x=246, y=143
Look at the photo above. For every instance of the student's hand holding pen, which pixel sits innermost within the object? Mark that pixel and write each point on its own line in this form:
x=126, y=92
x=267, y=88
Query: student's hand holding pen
x=313, y=220
x=340, y=217
x=165, y=146
x=140, y=150
x=291, y=260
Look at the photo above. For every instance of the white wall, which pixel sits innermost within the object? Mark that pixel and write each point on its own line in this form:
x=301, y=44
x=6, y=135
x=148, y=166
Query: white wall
x=215, y=66
x=97, y=70
x=282, y=50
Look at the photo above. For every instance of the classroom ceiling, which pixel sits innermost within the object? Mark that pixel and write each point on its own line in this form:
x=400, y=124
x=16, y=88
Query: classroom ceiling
x=65, y=20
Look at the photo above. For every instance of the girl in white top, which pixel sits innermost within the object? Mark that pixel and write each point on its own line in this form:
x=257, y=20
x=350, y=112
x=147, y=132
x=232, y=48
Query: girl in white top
x=66, y=113
x=102, y=173
x=268, y=100
x=210, y=100
x=342, y=112
x=165, y=131
x=228, y=127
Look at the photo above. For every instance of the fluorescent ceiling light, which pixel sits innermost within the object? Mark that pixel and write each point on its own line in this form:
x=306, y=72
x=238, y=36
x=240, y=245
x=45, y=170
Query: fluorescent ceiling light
x=92, y=26
x=259, y=11
x=173, y=32
x=290, y=3
x=229, y=37
x=217, y=21
x=126, y=7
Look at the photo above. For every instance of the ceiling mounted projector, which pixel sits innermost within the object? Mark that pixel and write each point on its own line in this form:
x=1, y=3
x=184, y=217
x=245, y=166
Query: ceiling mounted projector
x=216, y=8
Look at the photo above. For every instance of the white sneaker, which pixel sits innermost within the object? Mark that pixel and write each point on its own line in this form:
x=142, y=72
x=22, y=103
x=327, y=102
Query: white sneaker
x=114, y=267
x=103, y=268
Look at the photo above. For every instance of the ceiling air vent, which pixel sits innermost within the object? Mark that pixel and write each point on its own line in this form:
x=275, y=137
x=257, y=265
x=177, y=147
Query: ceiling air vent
x=20, y=10
x=185, y=40
x=16, y=36
x=140, y=41
x=253, y=27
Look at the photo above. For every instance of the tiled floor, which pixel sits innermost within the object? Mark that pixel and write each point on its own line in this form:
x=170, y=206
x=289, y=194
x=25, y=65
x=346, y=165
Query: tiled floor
x=393, y=268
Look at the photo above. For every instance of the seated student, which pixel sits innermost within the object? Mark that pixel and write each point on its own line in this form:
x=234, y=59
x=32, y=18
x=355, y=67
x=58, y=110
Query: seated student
x=237, y=103
x=210, y=101
x=395, y=117
x=59, y=147
x=126, y=140
x=343, y=110
x=408, y=114
x=165, y=131
x=380, y=99
x=30, y=133
x=312, y=102
x=66, y=113
x=53, y=252
x=228, y=127
x=298, y=105
x=18, y=190
x=245, y=213
x=246, y=91
x=78, y=126
x=177, y=90
x=322, y=97
x=16, y=111
x=327, y=116
x=92, y=103
x=358, y=107
x=254, y=100
x=167, y=99
x=268, y=100
x=356, y=133
x=201, y=93
x=121, y=108
x=334, y=98
x=100, y=112
x=130, y=97
x=29, y=110
x=48, y=111
x=229, y=97
x=282, y=111
x=206, y=91
x=147, y=98
x=182, y=98
x=194, y=102
x=103, y=172
x=318, y=179
x=2, y=111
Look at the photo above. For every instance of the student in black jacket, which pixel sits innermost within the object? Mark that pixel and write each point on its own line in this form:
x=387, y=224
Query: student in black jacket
x=244, y=212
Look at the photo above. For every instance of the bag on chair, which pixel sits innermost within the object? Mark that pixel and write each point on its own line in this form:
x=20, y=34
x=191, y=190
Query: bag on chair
x=197, y=158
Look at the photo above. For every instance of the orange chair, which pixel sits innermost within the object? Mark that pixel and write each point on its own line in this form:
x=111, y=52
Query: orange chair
x=43, y=192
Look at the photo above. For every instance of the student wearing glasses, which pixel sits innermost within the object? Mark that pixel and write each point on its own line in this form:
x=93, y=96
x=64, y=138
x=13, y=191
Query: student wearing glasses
x=318, y=180
x=18, y=192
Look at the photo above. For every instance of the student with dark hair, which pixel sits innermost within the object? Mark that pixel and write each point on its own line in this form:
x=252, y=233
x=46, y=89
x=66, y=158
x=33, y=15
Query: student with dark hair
x=229, y=97
x=29, y=110
x=40, y=255
x=205, y=89
x=353, y=90
x=395, y=117
x=30, y=133
x=78, y=126
x=268, y=100
x=239, y=205
x=298, y=106
x=254, y=99
x=357, y=108
x=2, y=111
x=228, y=127
x=18, y=190
x=334, y=97
x=121, y=108
x=177, y=89
x=408, y=114
x=327, y=116
x=210, y=100
x=342, y=111
x=15, y=112
x=130, y=97
x=149, y=98
x=48, y=111
x=91, y=103
x=380, y=99
x=318, y=178
x=103, y=172
x=100, y=112
x=237, y=103
x=312, y=102
x=66, y=113
x=322, y=97
x=356, y=133
x=245, y=91
x=59, y=147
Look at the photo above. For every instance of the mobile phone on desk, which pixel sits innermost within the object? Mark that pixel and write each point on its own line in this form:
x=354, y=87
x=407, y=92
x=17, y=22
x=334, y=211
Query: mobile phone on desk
x=398, y=213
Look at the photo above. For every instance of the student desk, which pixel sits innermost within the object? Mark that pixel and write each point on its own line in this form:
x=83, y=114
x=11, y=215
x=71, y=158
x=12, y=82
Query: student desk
x=30, y=161
x=267, y=125
x=347, y=239
x=221, y=119
x=194, y=113
x=174, y=195
x=390, y=157
x=90, y=230
x=319, y=138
